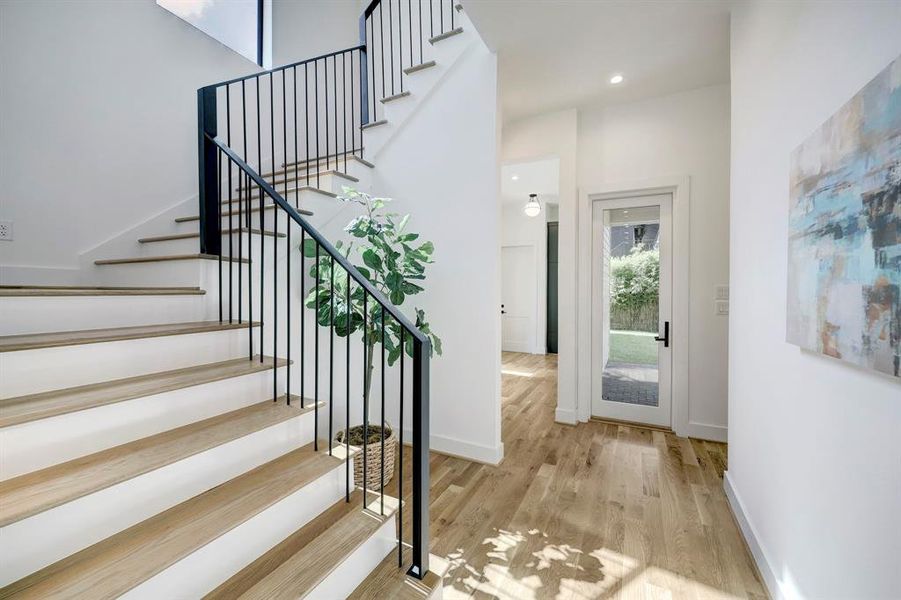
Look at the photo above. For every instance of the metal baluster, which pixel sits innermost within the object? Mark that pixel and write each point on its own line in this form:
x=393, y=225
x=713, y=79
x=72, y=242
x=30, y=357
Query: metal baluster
x=441, y=13
x=344, y=103
x=303, y=276
x=365, y=394
x=249, y=220
x=274, y=247
x=262, y=279
x=231, y=264
x=219, y=179
x=331, y=354
x=316, y=358
x=400, y=46
x=421, y=59
x=452, y=11
x=410, y=24
x=288, y=307
x=296, y=159
x=348, y=323
x=391, y=41
x=400, y=448
x=249, y=275
x=382, y=46
x=382, y=416
x=306, y=120
x=284, y=141
x=431, y=21
x=316, y=99
x=325, y=89
x=335, y=103
x=241, y=224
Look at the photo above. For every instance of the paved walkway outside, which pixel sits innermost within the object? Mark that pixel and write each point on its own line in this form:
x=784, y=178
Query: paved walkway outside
x=632, y=384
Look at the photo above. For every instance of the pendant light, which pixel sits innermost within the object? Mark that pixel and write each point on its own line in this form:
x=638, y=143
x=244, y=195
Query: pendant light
x=532, y=207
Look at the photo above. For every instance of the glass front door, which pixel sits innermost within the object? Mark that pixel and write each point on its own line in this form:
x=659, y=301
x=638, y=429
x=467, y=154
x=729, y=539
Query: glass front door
x=631, y=309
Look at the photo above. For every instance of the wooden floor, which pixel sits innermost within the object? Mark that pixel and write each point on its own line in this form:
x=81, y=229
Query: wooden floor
x=592, y=511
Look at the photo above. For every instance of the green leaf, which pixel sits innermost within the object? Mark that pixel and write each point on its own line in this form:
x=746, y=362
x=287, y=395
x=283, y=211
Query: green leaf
x=396, y=297
x=309, y=248
x=372, y=259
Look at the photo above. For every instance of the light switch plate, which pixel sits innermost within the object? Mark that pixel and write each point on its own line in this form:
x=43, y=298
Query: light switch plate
x=722, y=292
x=722, y=307
x=6, y=231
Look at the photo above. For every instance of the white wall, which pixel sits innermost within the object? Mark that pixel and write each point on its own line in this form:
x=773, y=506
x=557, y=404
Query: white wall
x=453, y=198
x=685, y=134
x=99, y=120
x=553, y=135
x=303, y=29
x=814, y=459
x=519, y=230
x=98, y=112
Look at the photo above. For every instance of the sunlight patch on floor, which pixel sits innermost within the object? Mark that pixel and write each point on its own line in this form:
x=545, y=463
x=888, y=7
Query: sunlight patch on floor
x=599, y=574
x=517, y=373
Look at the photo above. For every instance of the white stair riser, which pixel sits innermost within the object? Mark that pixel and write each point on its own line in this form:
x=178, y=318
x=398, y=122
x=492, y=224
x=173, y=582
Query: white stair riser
x=40, y=314
x=42, y=539
x=210, y=566
x=176, y=273
x=44, y=369
x=39, y=444
x=345, y=578
x=192, y=245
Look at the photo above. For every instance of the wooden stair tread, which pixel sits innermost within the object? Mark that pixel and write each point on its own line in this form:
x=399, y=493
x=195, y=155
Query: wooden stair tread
x=32, y=341
x=33, y=493
x=420, y=67
x=32, y=407
x=293, y=568
x=117, y=564
x=234, y=213
x=350, y=154
x=389, y=581
x=37, y=290
x=372, y=124
x=196, y=234
x=166, y=258
x=445, y=35
x=298, y=176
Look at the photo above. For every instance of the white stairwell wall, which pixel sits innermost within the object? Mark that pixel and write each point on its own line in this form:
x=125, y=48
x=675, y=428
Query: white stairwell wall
x=440, y=164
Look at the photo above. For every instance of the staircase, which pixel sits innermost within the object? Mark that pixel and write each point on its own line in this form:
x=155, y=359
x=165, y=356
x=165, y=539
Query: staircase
x=168, y=431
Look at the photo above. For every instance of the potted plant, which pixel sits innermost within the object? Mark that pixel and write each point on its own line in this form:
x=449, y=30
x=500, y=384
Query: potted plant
x=394, y=262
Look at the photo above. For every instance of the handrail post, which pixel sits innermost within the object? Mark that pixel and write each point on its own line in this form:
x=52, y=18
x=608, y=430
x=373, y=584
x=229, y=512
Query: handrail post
x=421, y=352
x=364, y=74
x=210, y=223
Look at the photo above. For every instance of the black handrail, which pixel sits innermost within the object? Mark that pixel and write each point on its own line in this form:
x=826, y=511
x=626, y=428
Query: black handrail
x=325, y=244
x=289, y=66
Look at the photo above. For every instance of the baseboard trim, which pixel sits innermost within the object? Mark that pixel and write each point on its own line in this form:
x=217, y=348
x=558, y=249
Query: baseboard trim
x=702, y=431
x=448, y=446
x=764, y=568
x=567, y=416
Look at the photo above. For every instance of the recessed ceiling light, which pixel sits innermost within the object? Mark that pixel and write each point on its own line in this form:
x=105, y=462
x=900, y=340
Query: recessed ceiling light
x=515, y=178
x=616, y=79
x=625, y=212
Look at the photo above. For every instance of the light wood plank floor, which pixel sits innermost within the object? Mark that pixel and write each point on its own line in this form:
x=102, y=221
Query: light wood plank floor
x=595, y=511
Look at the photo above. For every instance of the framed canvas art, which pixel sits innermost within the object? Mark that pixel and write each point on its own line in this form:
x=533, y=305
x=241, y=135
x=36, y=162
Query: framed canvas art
x=844, y=228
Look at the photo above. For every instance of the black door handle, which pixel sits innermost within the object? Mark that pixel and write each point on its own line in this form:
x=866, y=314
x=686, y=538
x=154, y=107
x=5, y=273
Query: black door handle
x=665, y=338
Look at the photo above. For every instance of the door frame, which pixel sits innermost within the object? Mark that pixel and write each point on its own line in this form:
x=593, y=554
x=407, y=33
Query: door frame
x=535, y=345
x=661, y=414
x=679, y=187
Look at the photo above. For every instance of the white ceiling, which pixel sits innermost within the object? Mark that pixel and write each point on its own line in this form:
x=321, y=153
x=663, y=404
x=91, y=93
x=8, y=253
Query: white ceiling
x=540, y=177
x=556, y=54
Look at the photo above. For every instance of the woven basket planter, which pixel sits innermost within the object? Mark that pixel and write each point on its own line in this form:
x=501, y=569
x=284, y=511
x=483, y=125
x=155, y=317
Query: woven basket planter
x=373, y=460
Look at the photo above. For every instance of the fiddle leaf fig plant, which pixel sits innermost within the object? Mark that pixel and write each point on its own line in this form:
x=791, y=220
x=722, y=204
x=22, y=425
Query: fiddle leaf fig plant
x=392, y=259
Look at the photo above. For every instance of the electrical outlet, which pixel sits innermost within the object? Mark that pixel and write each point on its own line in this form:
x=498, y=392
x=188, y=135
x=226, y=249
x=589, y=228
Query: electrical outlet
x=722, y=308
x=6, y=231
x=722, y=292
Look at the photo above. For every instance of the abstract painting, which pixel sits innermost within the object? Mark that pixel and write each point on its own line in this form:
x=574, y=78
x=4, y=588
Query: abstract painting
x=844, y=246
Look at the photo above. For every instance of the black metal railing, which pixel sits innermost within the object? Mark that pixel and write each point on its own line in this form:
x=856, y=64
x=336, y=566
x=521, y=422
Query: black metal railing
x=286, y=332
x=262, y=140
x=396, y=34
